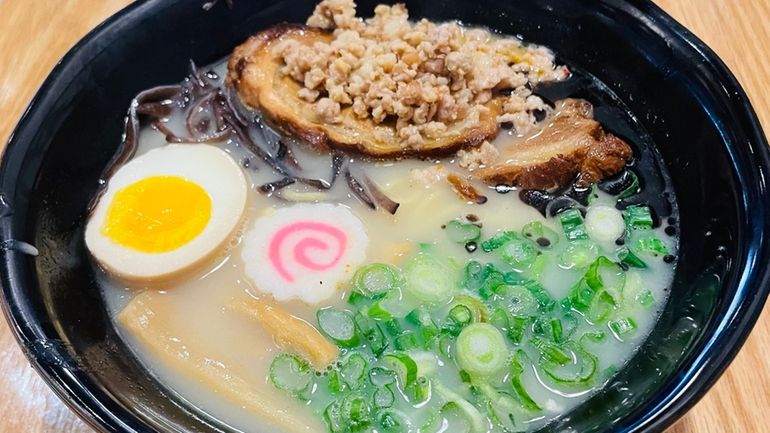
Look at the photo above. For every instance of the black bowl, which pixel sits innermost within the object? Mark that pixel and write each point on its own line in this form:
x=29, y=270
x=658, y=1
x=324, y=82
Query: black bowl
x=682, y=94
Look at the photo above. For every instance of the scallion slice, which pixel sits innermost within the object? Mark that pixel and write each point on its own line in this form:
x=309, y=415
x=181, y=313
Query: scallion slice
x=629, y=258
x=394, y=421
x=519, y=252
x=383, y=397
x=379, y=376
x=404, y=366
x=651, y=245
x=462, y=233
x=540, y=234
x=429, y=279
x=579, y=370
x=573, y=225
x=290, y=373
x=376, y=278
x=604, y=223
x=406, y=341
x=353, y=370
x=622, y=327
x=481, y=350
x=578, y=254
x=497, y=241
x=338, y=326
x=638, y=218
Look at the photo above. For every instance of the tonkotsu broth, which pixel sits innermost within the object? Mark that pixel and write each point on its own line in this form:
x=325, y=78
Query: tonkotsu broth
x=198, y=323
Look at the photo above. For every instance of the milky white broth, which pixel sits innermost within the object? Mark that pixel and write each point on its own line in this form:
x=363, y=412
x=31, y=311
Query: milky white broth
x=196, y=317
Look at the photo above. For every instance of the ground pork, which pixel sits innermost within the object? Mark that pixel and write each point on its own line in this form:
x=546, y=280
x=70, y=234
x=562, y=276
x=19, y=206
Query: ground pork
x=482, y=156
x=424, y=76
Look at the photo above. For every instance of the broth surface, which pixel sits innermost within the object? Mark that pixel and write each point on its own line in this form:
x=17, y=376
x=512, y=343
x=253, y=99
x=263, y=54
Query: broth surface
x=194, y=319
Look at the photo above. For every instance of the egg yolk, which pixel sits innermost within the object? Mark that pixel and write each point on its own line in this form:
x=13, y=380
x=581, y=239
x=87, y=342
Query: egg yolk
x=157, y=214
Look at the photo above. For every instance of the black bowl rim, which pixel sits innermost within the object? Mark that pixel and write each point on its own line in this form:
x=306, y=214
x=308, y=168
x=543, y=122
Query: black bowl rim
x=714, y=355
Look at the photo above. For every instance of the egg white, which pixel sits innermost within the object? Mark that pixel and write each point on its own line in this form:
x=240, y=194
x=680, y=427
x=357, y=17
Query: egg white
x=207, y=166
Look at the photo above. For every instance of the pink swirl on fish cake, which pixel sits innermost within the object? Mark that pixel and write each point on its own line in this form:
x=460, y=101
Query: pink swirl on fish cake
x=303, y=246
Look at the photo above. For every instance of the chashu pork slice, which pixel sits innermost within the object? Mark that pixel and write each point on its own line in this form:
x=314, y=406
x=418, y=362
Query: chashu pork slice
x=253, y=70
x=572, y=147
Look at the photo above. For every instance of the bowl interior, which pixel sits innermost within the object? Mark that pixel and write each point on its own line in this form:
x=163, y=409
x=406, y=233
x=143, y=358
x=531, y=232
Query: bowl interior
x=681, y=97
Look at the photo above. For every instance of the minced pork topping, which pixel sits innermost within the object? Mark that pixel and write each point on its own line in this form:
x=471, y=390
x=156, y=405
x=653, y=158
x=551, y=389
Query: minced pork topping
x=424, y=76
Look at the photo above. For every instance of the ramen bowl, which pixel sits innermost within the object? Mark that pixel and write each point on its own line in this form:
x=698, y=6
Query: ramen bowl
x=682, y=95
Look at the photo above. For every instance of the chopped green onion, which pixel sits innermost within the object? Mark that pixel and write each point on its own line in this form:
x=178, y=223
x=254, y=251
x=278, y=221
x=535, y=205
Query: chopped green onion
x=632, y=189
x=371, y=332
x=481, y=350
x=338, y=326
x=355, y=409
x=519, y=299
x=420, y=390
x=479, y=312
x=334, y=418
x=379, y=376
x=404, y=366
x=394, y=421
x=572, y=224
x=646, y=298
x=461, y=315
x=502, y=407
x=517, y=326
x=460, y=414
x=406, y=341
x=429, y=279
x=517, y=369
x=426, y=327
x=578, y=254
x=604, y=223
x=383, y=397
x=497, y=241
x=378, y=311
x=650, y=244
x=578, y=372
x=551, y=351
x=602, y=307
x=358, y=299
x=376, y=278
x=393, y=327
x=462, y=233
x=353, y=370
x=544, y=299
x=629, y=258
x=519, y=252
x=540, y=234
x=334, y=382
x=290, y=373
x=638, y=218
x=622, y=327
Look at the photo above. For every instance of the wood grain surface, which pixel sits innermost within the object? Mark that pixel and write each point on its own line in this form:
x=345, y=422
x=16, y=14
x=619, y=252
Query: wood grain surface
x=34, y=34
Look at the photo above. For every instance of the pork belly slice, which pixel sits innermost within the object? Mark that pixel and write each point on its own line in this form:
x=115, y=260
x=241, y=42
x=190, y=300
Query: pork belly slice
x=572, y=147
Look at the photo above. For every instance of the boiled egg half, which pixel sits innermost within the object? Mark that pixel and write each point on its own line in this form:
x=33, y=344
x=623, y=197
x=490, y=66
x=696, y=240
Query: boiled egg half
x=167, y=211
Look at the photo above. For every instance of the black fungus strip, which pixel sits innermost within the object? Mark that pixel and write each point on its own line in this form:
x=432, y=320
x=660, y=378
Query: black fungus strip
x=337, y=160
x=245, y=140
x=172, y=137
x=285, y=155
x=272, y=187
x=315, y=183
x=198, y=119
x=380, y=198
x=155, y=109
x=358, y=190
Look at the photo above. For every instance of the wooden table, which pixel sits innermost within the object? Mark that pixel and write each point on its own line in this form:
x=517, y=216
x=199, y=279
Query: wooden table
x=34, y=34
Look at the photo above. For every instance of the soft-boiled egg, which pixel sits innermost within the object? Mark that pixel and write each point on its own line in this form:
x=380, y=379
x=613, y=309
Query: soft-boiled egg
x=167, y=211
